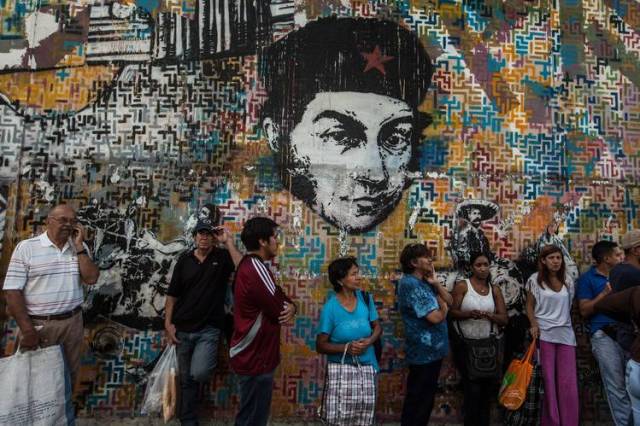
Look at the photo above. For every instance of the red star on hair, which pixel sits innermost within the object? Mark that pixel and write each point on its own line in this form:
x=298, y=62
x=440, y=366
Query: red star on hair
x=376, y=60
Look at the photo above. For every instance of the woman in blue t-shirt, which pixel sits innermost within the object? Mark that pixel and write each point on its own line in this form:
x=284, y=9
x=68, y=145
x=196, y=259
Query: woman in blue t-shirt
x=348, y=321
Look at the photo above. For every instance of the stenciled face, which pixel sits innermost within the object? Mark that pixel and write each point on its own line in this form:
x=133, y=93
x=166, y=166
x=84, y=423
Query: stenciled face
x=352, y=280
x=354, y=150
x=553, y=261
x=475, y=217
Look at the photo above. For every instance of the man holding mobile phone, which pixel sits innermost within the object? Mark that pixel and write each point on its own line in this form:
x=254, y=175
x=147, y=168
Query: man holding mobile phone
x=43, y=286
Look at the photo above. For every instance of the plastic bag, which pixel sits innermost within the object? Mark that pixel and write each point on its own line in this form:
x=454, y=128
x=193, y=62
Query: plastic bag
x=513, y=391
x=38, y=389
x=162, y=386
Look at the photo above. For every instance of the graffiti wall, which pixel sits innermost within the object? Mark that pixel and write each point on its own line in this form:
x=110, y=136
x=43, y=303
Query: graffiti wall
x=359, y=126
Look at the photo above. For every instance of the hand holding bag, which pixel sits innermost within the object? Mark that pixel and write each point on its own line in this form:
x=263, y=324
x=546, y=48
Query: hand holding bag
x=529, y=413
x=513, y=391
x=349, y=396
x=37, y=388
x=162, y=386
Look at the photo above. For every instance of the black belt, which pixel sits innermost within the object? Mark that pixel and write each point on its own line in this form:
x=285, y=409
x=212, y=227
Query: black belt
x=61, y=316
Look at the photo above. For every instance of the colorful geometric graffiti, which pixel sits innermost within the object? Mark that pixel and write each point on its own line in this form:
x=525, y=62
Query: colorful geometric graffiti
x=141, y=113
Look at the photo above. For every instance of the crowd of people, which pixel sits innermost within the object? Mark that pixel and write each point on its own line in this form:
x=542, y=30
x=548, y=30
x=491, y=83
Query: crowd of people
x=44, y=293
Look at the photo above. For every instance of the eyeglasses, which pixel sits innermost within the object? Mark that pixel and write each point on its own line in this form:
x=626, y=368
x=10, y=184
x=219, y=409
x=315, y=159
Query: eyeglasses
x=65, y=220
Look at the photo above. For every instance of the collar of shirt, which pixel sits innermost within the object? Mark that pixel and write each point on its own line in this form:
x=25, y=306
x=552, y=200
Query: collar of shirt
x=594, y=271
x=46, y=242
x=192, y=253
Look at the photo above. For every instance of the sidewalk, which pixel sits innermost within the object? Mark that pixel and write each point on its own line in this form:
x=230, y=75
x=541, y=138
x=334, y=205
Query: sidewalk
x=159, y=422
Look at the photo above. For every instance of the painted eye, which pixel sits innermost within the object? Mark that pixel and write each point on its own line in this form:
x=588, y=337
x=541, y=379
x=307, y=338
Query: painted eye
x=398, y=140
x=341, y=137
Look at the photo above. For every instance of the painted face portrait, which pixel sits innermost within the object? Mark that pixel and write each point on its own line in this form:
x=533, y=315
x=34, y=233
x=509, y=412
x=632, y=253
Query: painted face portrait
x=475, y=217
x=342, y=116
x=354, y=153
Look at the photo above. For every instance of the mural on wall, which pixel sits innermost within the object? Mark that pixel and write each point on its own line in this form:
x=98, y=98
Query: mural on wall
x=342, y=118
x=359, y=126
x=4, y=195
x=135, y=266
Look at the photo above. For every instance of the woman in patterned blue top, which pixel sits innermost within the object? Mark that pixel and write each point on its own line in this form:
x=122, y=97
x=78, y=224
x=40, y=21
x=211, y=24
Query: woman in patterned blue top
x=424, y=304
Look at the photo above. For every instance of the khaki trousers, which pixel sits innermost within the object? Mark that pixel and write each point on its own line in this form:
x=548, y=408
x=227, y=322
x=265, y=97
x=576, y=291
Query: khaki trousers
x=67, y=332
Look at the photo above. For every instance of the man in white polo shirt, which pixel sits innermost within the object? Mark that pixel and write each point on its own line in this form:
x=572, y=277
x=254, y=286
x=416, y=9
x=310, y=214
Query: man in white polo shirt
x=43, y=286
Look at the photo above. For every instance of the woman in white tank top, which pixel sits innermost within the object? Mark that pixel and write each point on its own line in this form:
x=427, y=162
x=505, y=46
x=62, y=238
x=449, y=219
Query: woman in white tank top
x=478, y=307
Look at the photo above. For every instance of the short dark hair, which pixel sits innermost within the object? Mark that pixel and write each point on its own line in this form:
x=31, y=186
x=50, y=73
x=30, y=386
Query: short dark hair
x=602, y=249
x=256, y=229
x=410, y=253
x=338, y=269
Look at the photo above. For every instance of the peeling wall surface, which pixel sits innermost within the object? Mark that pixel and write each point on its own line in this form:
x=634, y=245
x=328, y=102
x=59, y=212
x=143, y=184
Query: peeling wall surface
x=358, y=126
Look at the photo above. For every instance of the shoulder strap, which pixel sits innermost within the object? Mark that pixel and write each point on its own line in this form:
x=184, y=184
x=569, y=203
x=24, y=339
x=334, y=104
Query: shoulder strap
x=365, y=298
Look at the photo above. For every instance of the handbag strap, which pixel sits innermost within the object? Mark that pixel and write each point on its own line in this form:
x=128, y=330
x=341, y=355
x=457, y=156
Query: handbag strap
x=528, y=356
x=344, y=353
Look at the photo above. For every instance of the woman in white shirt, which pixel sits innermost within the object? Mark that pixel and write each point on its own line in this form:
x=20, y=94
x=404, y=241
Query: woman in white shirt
x=478, y=310
x=549, y=297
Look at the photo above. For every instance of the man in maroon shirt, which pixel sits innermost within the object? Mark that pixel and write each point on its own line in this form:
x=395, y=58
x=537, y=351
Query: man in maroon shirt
x=260, y=308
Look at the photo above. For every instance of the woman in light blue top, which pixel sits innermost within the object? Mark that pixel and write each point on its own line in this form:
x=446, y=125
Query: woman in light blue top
x=347, y=318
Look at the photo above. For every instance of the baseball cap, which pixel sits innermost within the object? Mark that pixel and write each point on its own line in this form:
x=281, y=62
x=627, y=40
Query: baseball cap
x=204, y=225
x=631, y=239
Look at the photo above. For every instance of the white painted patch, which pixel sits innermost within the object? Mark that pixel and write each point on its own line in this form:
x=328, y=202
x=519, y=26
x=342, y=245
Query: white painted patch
x=115, y=177
x=47, y=190
x=12, y=58
x=39, y=26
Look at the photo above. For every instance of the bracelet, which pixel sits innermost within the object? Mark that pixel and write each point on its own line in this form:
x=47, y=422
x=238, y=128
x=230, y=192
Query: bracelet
x=83, y=251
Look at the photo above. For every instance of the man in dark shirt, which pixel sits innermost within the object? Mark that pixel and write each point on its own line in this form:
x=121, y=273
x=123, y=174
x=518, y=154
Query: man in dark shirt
x=625, y=306
x=627, y=274
x=194, y=309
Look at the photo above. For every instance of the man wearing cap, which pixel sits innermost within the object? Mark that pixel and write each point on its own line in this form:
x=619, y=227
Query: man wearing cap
x=342, y=116
x=43, y=286
x=194, y=309
x=627, y=274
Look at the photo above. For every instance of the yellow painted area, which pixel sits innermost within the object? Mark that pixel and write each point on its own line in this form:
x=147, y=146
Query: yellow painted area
x=61, y=90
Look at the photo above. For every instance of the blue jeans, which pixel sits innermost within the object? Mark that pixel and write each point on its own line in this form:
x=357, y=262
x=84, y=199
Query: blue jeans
x=633, y=387
x=611, y=361
x=255, y=399
x=197, y=358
